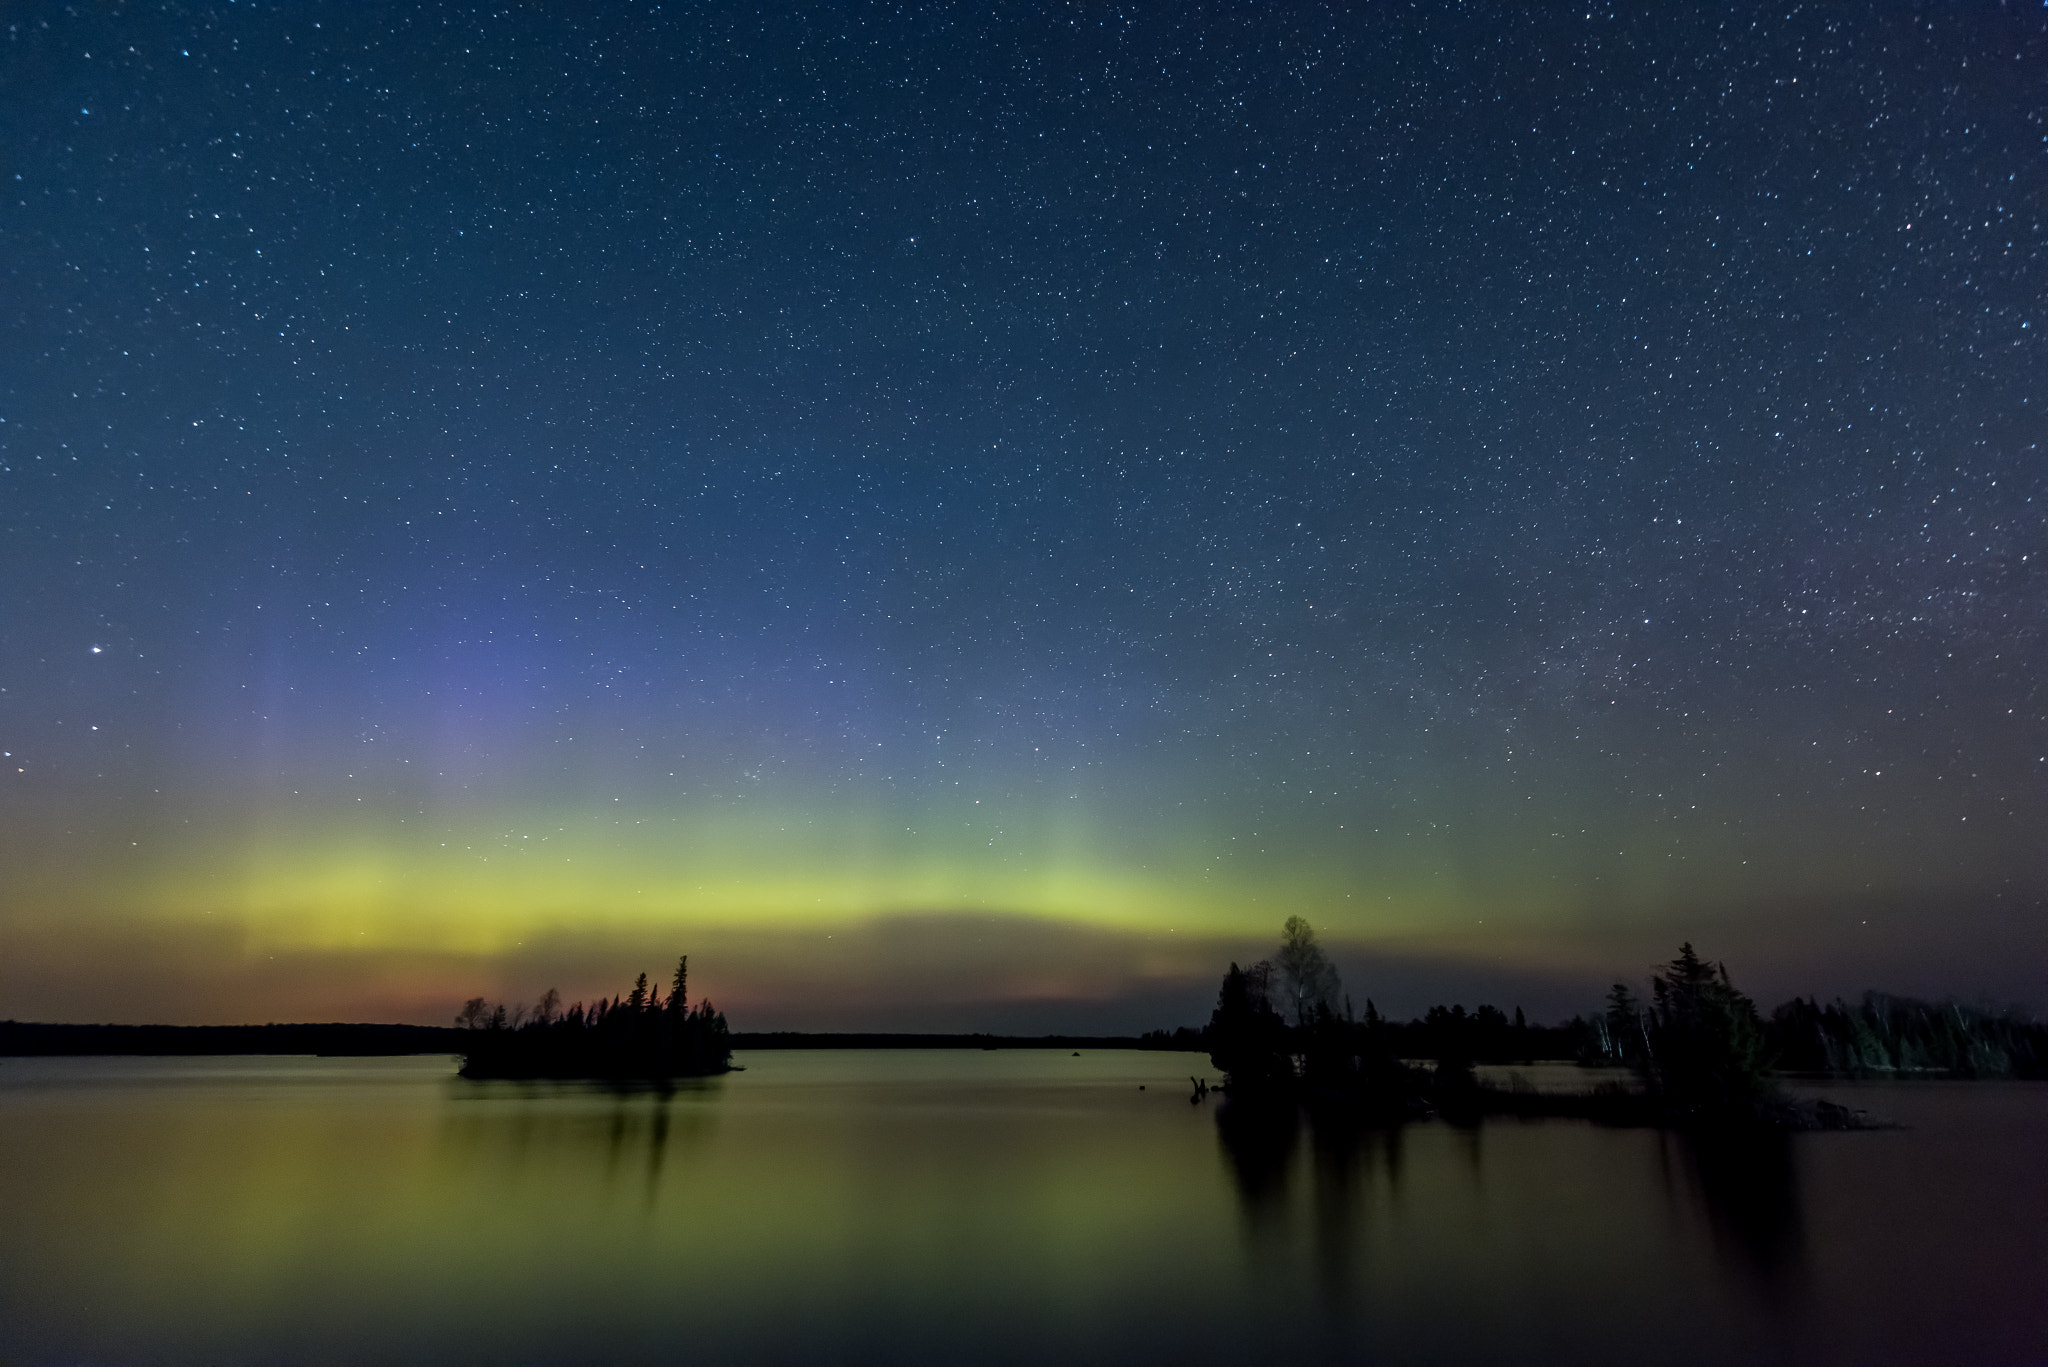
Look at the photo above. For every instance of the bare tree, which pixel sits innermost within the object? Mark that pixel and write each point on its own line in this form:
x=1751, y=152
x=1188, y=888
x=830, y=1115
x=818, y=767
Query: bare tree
x=1306, y=973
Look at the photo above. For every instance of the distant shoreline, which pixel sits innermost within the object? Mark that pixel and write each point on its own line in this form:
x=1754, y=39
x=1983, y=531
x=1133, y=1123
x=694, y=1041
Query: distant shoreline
x=342, y=1039
x=30, y=1039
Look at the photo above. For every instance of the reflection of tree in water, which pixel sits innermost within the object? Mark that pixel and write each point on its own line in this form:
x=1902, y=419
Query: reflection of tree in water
x=553, y=1126
x=1748, y=1183
x=1259, y=1144
x=1744, y=1181
x=1345, y=1150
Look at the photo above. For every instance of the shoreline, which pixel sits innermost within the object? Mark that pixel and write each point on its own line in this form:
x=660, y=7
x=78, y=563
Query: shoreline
x=30, y=1039
x=344, y=1039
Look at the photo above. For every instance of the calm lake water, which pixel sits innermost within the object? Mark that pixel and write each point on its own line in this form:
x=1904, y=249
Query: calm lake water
x=942, y=1206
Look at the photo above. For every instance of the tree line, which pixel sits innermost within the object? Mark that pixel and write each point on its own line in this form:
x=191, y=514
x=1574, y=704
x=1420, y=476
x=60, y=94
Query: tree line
x=1484, y=1034
x=1885, y=1035
x=1700, y=1051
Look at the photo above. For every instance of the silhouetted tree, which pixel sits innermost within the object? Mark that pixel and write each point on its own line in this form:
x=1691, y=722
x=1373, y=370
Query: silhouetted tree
x=1706, y=1043
x=1623, y=1034
x=1247, y=1037
x=1456, y=1048
x=1333, y=1064
x=1306, y=973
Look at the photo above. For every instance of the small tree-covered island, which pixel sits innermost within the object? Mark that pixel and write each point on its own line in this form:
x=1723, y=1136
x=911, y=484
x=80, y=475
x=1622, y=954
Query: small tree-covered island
x=640, y=1037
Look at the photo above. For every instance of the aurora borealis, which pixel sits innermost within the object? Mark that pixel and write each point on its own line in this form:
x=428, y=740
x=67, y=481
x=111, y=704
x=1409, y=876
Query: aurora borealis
x=967, y=517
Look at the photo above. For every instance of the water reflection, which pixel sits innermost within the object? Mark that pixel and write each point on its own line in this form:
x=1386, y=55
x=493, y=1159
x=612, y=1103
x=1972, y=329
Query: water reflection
x=1743, y=1187
x=1747, y=1184
x=1259, y=1142
x=915, y=1207
x=634, y=1130
x=1345, y=1152
x=1262, y=1146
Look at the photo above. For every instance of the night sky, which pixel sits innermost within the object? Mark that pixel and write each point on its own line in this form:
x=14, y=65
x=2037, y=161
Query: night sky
x=967, y=517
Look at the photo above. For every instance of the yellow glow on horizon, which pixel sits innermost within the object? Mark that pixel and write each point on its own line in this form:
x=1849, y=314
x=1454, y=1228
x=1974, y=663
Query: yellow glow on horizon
x=489, y=888
x=487, y=881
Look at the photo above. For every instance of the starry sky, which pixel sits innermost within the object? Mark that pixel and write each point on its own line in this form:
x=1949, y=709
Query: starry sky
x=967, y=516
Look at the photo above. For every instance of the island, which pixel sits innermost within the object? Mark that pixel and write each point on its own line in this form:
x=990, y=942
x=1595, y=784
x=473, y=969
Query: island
x=640, y=1037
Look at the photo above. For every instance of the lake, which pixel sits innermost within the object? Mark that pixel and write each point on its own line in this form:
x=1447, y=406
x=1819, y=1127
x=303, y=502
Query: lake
x=952, y=1206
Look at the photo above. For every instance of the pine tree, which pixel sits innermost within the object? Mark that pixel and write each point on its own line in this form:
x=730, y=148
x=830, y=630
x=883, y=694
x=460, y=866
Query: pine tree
x=1707, y=1041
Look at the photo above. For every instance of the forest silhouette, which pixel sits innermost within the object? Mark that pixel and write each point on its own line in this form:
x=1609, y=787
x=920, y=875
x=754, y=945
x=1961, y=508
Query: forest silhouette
x=1284, y=1026
x=1700, y=1054
x=641, y=1036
